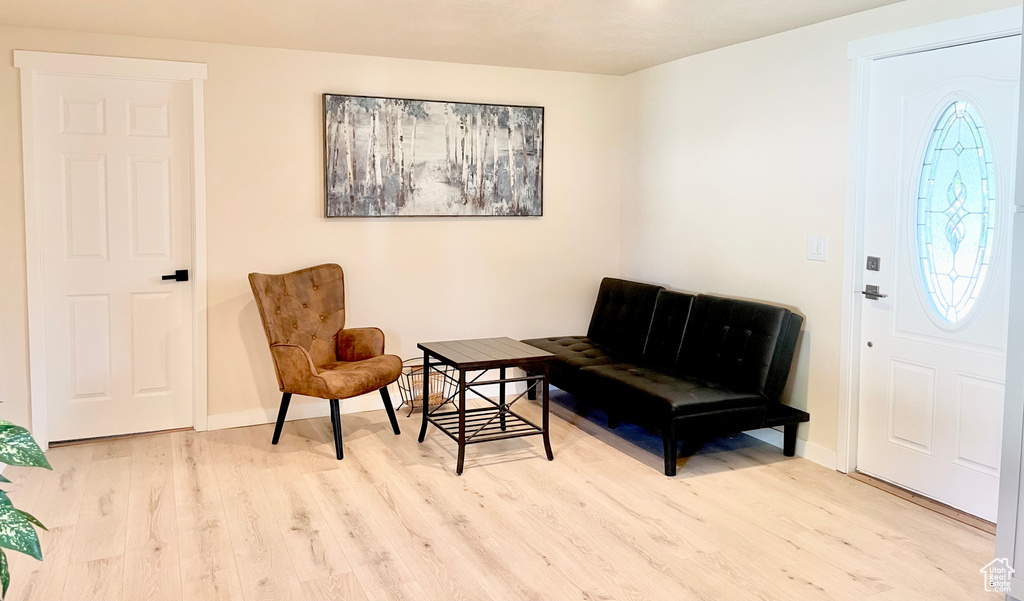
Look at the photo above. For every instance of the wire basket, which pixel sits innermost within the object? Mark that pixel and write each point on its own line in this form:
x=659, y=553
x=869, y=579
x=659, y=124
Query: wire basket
x=410, y=384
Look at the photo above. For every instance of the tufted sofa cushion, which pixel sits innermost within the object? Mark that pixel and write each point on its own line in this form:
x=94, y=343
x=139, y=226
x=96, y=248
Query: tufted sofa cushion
x=655, y=395
x=574, y=351
x=671, y=312
x=622, y=316
x=731, y=342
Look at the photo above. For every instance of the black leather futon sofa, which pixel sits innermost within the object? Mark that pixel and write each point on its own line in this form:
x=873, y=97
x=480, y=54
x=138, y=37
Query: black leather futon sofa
x=693, y=367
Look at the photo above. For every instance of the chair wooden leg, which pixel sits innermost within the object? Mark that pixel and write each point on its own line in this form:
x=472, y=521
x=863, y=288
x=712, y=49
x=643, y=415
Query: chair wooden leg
x=281, y=413
x=386, y=397
x=336, y=424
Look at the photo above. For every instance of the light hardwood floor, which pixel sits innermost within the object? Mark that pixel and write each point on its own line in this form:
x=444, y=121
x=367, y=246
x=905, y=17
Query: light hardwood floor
x=226, y=516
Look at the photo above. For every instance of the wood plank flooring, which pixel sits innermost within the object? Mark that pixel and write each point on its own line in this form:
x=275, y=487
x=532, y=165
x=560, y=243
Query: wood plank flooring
x=227, y=516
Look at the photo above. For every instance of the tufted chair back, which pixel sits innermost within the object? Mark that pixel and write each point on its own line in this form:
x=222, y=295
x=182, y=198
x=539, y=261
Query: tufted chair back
x=304, y=307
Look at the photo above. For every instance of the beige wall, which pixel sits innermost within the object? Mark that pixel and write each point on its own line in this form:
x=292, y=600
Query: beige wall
x=735, y=156
x=417, y=279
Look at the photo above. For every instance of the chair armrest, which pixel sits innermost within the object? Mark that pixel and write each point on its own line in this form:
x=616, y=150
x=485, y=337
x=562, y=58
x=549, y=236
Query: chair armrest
x=296, y=370
x=356, y=344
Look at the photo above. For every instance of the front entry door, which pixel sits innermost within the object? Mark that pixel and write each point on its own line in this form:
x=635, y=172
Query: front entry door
x=114, y=159
x=939, y=189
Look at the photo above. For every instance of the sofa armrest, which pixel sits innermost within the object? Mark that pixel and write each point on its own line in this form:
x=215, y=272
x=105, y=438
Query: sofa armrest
x=356, y=344
x=296, y=370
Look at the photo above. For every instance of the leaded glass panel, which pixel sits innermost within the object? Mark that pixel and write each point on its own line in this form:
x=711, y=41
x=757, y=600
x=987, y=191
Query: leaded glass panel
x=956, y=212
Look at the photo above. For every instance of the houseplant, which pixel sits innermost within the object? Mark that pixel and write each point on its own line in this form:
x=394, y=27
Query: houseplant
x=17, y=528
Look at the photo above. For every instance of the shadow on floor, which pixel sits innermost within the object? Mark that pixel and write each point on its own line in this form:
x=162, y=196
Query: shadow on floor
x=646, y=445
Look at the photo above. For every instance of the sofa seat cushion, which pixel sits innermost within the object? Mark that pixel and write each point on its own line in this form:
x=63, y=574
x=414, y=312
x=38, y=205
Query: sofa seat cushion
x=574, y=351
x=653, y=391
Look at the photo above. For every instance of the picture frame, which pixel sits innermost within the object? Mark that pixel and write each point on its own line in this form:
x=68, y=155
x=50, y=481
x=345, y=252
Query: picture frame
x=401, y=157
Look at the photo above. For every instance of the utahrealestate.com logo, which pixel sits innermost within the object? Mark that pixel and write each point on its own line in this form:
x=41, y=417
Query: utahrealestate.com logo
x=997, y=575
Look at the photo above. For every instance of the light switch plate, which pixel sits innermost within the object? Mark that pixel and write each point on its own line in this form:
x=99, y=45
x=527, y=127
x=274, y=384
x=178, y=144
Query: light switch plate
x=817, y=248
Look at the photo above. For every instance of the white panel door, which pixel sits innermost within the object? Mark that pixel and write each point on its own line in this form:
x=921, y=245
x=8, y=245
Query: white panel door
x=114, y=159
x=939, y=189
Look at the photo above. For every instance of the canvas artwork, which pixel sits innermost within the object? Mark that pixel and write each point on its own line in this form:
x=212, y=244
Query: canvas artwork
x=397, y=157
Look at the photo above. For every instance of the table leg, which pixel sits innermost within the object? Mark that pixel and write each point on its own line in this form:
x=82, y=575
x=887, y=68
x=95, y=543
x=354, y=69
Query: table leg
x=546, y=423
x=426, y=394
x=462, y=421
x=501, y=400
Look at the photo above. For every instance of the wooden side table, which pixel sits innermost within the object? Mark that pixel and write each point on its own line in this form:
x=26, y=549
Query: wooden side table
x=497, y=420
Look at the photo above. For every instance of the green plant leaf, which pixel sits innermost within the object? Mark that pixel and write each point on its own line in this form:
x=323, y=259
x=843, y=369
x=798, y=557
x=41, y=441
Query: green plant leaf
x=4, y=479
x=31, y=518
x=17, y=447
x=5, y=573
x=16, y=532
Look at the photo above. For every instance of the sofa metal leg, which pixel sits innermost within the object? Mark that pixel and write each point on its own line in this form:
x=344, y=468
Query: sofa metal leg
x=336, y=425
x=531, y=390
x=386, y=397
x=789, y=440
x=671, y=451
x=281, y=413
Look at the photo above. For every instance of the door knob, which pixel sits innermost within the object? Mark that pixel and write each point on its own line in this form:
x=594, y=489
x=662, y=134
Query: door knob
x=180, y=275
x=872, y=293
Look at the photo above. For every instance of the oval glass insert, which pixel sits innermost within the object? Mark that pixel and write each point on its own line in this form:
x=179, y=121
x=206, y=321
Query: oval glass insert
x=956, y=212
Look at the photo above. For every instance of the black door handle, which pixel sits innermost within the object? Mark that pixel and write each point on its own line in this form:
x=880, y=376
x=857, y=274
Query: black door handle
x=180, y=275
x=872, y=293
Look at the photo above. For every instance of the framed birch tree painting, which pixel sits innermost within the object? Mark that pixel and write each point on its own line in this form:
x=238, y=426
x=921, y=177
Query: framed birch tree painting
x=393, y=157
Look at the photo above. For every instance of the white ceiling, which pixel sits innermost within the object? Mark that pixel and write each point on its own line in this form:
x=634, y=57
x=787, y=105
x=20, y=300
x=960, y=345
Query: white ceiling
x=596, y=36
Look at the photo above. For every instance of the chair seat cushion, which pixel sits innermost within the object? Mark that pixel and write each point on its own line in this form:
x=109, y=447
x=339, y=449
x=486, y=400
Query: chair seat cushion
x=346, y=379
x=659, y=392
x=574, y=351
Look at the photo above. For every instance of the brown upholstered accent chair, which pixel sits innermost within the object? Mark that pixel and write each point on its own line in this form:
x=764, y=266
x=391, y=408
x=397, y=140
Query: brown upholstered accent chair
x=314, y=355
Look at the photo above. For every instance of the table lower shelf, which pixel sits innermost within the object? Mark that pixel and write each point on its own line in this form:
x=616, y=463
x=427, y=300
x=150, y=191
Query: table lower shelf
x=484, y=424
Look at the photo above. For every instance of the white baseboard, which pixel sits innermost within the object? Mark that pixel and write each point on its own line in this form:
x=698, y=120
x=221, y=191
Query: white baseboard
x=300, y=408
x=807, y=450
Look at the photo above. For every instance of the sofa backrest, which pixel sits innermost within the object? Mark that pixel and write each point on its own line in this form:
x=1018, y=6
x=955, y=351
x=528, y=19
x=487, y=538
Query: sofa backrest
x=622, y=316
x=785, y=354
x=742, y=345
x=671, y=311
